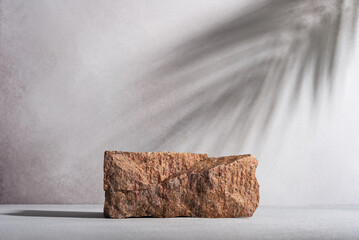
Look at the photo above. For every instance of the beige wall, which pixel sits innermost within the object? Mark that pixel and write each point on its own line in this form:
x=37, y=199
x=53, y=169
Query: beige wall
x=77, y=79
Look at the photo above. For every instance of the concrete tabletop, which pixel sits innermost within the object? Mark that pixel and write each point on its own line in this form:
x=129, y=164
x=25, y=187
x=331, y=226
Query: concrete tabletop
x=87, y=222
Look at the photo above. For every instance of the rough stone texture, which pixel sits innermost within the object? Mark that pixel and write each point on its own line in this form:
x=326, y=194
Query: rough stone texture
x=166, y=184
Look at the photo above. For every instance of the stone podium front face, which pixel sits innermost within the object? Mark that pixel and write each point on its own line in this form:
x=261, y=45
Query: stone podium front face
x=167, y=184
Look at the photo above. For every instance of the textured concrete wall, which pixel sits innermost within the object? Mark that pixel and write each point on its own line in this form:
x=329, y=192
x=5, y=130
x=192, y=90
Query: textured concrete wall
x=70, y=90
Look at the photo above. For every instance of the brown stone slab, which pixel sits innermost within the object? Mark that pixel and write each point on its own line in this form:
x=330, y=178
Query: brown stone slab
x=166, y=184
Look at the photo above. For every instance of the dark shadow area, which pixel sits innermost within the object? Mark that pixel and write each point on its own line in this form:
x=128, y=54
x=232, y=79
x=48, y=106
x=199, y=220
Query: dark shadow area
x=69, y=214
x=56, y=214
x=140, y=217
x=228, y=82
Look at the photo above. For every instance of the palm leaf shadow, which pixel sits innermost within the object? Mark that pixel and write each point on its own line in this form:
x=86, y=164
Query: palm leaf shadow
x=239, y=69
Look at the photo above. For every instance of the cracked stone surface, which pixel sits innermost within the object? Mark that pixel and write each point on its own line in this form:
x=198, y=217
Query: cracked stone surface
x=168, y=184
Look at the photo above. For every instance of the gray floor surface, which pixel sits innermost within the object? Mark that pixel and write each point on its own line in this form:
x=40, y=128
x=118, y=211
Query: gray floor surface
x=87, y=222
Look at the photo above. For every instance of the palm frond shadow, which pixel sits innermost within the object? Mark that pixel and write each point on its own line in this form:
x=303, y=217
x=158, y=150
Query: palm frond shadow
x=233, y=76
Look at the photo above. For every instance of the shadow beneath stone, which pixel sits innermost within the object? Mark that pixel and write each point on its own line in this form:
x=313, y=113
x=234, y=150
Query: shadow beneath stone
x=57, y=214
x=140, y=217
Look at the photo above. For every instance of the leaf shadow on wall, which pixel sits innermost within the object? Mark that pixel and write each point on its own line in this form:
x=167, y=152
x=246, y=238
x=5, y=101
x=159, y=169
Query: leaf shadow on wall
x=226, y=84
